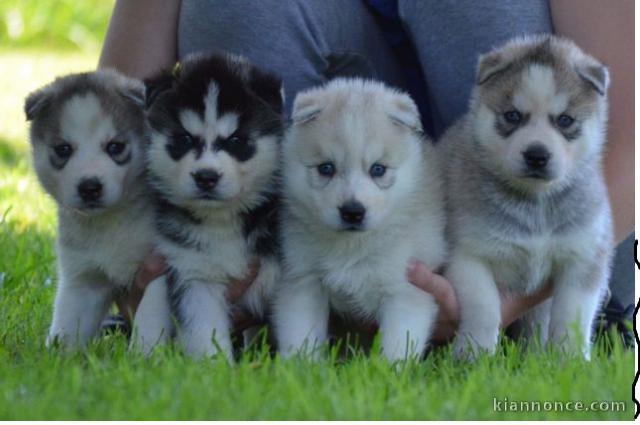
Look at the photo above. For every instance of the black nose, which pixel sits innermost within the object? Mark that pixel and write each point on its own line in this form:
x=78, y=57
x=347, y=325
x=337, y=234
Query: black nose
x=206, y=179
x=90, y=189
x=352, y=212
x=536, y=157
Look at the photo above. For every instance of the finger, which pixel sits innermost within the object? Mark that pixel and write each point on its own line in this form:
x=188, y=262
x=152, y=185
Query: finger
x=444, y=332
x=153, y=266
x=516, y=305
x=236, y=290
x=254, y=268
x=238, y=287
x=242, y=320
x=439, y=287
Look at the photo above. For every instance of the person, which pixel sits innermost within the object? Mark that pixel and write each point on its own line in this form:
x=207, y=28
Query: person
x=428, y=47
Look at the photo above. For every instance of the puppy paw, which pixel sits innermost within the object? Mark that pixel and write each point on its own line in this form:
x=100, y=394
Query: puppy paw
x=467, y=349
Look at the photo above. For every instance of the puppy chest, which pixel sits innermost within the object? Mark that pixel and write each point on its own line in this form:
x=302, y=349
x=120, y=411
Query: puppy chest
x=217, y=257
x=361, y=289
x=117, y=252
x=523, y=267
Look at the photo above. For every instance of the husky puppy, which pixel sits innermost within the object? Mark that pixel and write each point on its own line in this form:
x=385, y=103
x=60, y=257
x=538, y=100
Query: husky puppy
x=215, y=124
x=87, y=135
x=527, y=199
x=362, y=198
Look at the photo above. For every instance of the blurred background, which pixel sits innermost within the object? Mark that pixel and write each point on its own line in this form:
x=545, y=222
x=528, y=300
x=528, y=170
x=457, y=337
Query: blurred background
x=39, y=40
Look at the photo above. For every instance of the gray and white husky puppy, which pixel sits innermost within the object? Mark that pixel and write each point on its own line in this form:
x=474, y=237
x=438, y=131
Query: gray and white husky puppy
x=362, y=197
x=87, y=135
x=215, y=128
x=527, y=199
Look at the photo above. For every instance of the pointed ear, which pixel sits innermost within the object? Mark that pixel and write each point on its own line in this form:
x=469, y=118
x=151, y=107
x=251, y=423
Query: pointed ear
x=134, y=93
x=404, y=112
x=37, y=101
x=596, y=75
x=306, y=107
x=269, y=88
x=490, y=65
x=157, y=85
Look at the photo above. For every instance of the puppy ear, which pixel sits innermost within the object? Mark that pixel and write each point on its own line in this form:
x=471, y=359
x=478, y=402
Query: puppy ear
x=36, y=102
x=596, y=75
x=490, y=65
x=157, y=85
x=269, y=88
x=134, y=93
x=306, y=107
x=404, y=112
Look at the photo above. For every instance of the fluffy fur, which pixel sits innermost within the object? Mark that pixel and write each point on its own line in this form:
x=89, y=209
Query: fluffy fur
x=527, y=198
x=348, y=237
x=216, y=124
x=87, y=136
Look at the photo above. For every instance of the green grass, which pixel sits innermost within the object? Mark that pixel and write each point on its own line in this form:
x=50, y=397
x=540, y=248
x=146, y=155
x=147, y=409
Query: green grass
x=60, y=24
x=108, y=383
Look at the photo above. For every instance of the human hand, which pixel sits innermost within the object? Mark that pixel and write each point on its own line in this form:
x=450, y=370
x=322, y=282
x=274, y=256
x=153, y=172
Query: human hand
x=154, y=266
x=512, y=306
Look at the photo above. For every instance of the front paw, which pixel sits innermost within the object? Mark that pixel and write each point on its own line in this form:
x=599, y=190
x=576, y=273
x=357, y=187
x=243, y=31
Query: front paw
x=308, y=351
x=571, y=347
x=468, y=349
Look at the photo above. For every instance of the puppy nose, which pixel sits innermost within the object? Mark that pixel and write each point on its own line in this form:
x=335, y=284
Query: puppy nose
x=90, y=189
x=352, y=212
x=206, y=179
x=536, y=156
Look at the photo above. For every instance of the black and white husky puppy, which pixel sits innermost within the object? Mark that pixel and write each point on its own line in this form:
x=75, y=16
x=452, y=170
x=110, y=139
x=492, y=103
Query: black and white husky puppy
x=215, y=129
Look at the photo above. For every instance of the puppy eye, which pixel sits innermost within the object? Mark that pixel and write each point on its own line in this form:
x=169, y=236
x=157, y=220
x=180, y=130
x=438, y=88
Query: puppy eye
x=235, y=138
x=184, y=139
x=513, y=117
x=564, y=121
x=63, y=150
x=326, y=169
x=377, y=170
x=115, y=148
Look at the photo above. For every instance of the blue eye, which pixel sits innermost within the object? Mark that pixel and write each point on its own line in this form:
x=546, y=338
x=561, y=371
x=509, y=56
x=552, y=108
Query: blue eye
x=513, y=117
x=377, y=170
x=564, y=121
x=115, y=148
x=326, y=169
x=63, y=150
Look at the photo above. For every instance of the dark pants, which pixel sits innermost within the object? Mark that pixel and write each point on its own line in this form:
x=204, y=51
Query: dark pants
x=307, y=42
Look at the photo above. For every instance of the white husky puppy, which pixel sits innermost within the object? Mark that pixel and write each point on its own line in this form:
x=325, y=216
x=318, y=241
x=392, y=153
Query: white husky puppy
x=362, y=197
x=87, y=135
x=527, y=197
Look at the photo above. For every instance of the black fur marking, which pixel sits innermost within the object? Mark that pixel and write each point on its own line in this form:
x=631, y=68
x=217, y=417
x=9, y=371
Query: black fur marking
x=167, y=209
x=238, y=145
x=156, y=86
x=176, y=291
x=176, y=232
x=263, y=222
x=181, y=143
x=251, y=94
